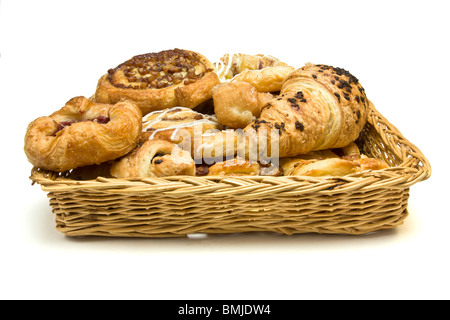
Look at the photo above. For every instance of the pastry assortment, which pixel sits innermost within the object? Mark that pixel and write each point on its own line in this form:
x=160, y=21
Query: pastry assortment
x=174, y=113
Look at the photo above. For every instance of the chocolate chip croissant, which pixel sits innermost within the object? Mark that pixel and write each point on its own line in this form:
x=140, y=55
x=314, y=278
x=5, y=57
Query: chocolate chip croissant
x=319, y=107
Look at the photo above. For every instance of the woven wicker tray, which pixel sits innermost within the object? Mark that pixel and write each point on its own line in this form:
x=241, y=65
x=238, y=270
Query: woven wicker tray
x=179, y=206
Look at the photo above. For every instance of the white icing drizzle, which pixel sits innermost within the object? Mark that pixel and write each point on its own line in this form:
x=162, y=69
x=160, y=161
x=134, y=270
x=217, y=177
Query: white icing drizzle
x=207, y=119
x=223, y=69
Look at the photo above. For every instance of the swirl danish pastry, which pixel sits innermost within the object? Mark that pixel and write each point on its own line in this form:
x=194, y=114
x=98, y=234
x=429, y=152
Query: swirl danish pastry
x=161, y=80
x=178, y=125
x=319, y=107
x=154, y=158
x=264, y=72
x=83, y=133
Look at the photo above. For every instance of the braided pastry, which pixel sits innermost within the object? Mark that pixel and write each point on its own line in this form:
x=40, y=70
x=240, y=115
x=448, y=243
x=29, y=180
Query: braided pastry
x=154, y=158
x=319, y=107
x=157, y=81
x=83, y=133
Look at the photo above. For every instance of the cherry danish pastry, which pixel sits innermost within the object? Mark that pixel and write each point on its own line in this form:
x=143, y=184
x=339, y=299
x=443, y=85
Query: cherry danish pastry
x=83, y=133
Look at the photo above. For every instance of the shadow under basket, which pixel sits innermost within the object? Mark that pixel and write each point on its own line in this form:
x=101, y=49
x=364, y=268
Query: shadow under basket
x=179, y=206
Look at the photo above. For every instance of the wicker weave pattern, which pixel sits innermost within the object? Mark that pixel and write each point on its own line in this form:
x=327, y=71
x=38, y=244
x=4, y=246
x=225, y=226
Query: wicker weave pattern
x=179, y=206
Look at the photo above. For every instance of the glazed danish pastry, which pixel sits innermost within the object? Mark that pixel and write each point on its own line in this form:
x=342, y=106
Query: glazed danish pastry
x=175, y=123
x=154, y=158
x=237, y=104
x=83, y=133
x=157, y=81
x=264, y=72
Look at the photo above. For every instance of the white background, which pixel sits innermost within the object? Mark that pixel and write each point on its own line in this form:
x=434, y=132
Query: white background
x=52, y=51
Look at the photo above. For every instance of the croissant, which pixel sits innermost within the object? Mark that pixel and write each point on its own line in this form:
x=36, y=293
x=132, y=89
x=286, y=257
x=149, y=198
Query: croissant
x=83, y=133
x=154, y=158
x=161, y=80
x=319, y=107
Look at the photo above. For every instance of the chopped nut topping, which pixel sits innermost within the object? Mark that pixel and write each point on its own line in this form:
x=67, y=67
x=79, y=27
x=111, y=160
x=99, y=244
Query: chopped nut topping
x=158, y=70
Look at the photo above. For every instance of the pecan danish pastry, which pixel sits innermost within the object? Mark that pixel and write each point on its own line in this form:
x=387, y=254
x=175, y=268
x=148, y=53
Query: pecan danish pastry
x=156, y=81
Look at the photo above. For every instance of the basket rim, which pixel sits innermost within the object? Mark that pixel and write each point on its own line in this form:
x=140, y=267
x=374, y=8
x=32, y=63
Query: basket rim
x=402, y=176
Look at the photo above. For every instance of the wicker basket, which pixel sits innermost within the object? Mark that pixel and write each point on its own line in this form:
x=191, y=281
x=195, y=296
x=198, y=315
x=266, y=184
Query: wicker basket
x=179, y=206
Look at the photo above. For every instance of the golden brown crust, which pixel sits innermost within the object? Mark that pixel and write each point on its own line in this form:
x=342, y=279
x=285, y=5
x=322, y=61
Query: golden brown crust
x=264, y=72
x=83, y=133
x=234, y=167
x=237, y=104
x=371, y=164
x=154, y=158
x=269, y=79
x=319, y=107
x=157, y=81
x=178, y=125
x=328, y=163
x=216, y=145
x=318, y=168
x=230, y=65
x=190, y=96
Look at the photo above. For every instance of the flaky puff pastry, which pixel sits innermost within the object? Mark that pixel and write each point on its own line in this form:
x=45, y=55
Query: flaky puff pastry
x=336, y=162
x=83, y=133
x=234, y=167
x=237, y=104
x=319, y=107
x=264, y=72
x=330, y=167
x=157, y=81
x=154, y=158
